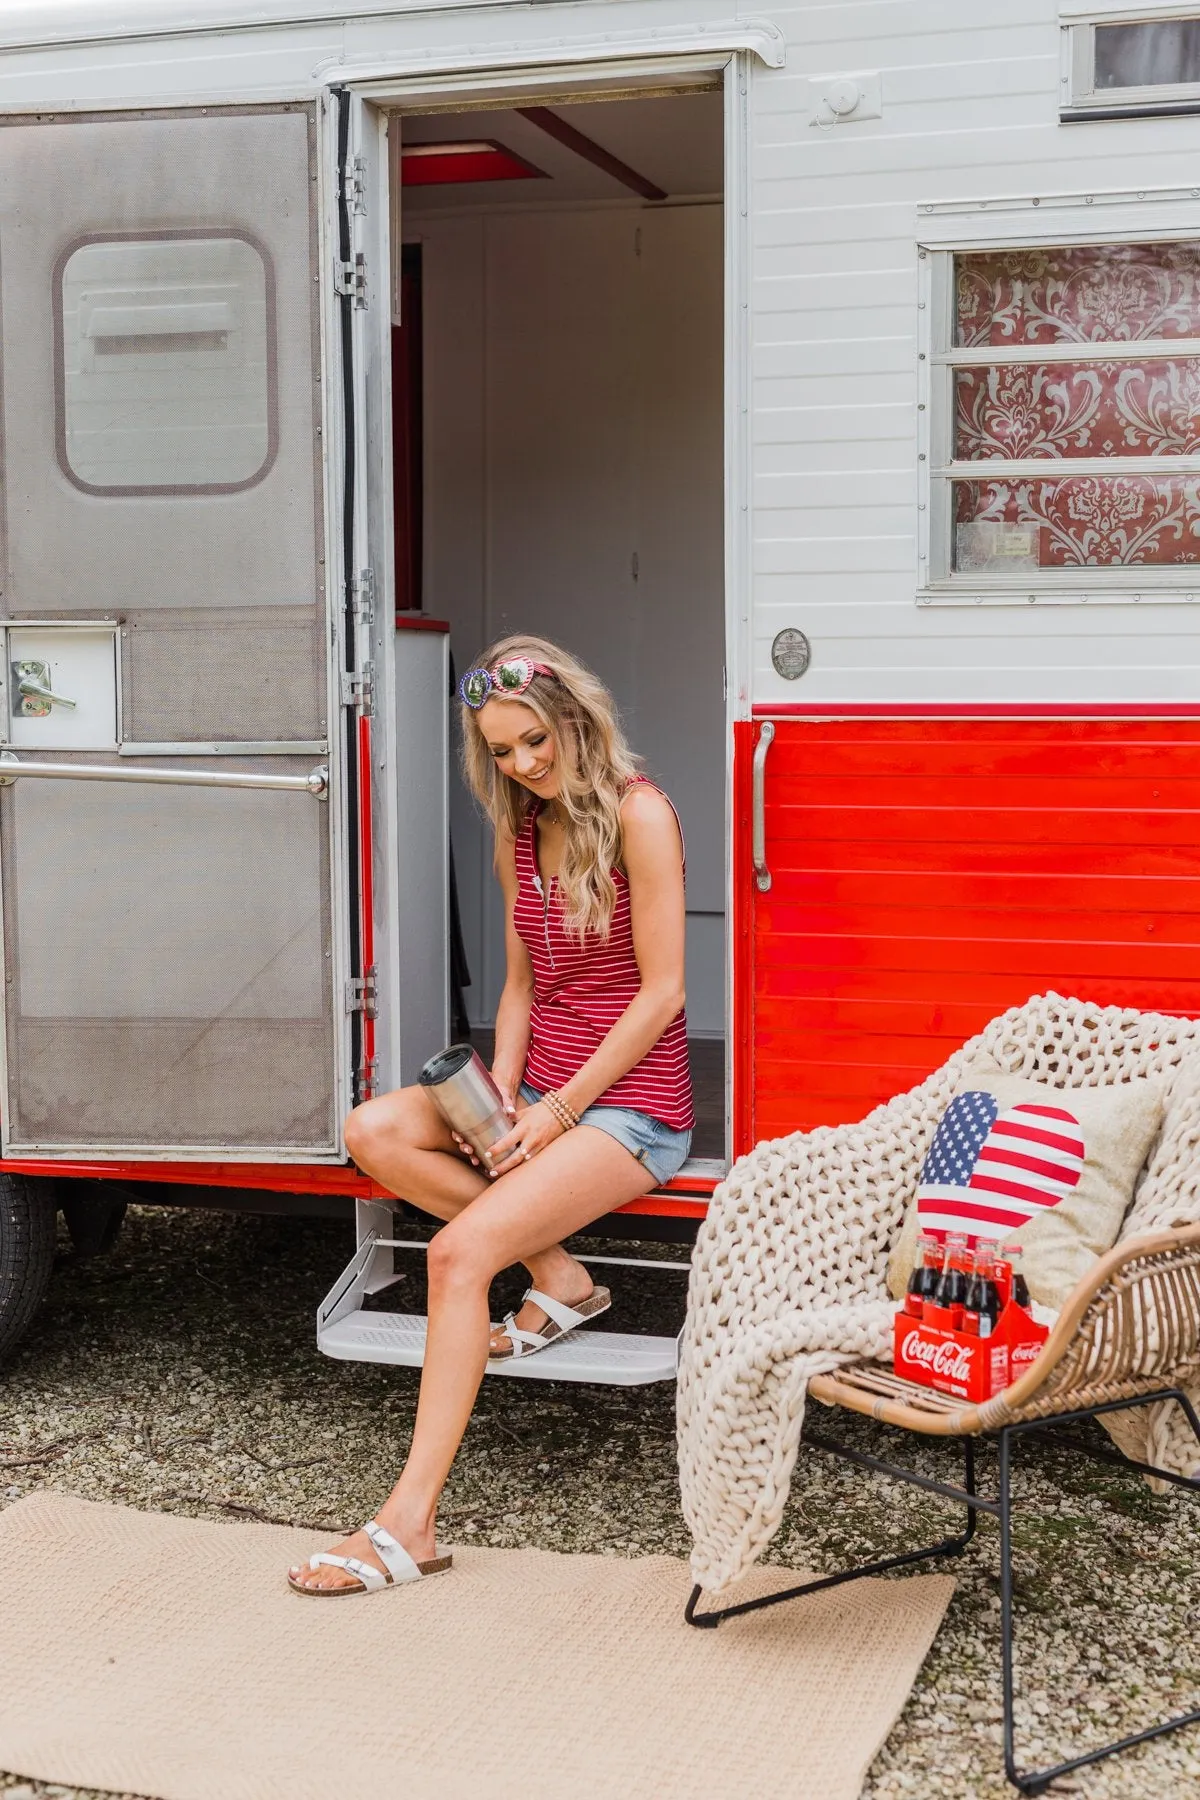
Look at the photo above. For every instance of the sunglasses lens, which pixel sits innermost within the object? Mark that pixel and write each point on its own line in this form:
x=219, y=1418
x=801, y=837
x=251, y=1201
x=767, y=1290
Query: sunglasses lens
x=515, y=676
x=475, y=687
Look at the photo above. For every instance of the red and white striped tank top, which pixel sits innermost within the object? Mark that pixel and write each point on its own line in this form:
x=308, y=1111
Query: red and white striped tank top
x=581, y=990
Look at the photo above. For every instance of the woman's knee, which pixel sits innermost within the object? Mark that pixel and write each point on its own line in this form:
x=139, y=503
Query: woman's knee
x=456, y=1256
x=392, y=1122
x=363, y=1130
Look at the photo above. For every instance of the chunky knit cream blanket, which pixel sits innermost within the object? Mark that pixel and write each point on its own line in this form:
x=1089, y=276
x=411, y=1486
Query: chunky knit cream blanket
x=788, y=1276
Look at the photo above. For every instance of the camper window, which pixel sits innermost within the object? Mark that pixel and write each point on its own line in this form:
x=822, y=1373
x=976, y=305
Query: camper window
x=1140, y=65
x=1066, y=429
x=165, y=352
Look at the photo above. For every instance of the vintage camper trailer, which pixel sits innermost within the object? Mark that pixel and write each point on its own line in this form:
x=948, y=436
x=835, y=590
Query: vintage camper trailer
x=827, y=375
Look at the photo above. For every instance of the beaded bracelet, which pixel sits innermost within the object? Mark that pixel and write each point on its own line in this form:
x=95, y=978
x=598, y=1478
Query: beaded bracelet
x=563, y=1112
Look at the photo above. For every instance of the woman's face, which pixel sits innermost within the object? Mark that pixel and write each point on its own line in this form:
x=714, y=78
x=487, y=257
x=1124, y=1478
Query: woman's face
x=523, y=748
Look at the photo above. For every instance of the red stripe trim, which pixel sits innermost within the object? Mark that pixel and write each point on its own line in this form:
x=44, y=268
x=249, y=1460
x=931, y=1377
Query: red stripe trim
x=417, y=622
x=792, y=709
x=367, y=890
x=671, y=1201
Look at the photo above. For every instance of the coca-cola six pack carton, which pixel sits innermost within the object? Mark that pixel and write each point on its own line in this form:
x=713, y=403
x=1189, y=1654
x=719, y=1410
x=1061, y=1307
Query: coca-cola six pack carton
x=955, y=1362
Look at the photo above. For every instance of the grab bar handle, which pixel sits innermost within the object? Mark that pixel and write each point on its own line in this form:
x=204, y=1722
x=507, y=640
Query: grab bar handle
x=758, y=832
x=12, y=768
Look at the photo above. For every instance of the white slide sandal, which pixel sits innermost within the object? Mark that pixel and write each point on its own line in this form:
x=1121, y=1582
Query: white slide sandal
x=560, y=1319
x=399, y=1565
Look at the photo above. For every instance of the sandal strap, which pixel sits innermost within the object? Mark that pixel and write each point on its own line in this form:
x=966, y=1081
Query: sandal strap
x=394, y=1557
x=565, y=1317
x=370, y=1578
x=524, y=1343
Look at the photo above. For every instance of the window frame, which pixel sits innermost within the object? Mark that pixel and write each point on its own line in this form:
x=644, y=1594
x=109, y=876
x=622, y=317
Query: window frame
x=1080, y=98
x=949, y=228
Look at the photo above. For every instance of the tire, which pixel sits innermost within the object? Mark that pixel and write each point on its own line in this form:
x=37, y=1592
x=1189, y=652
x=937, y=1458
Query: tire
x=28, y=1216
x=94, y=1218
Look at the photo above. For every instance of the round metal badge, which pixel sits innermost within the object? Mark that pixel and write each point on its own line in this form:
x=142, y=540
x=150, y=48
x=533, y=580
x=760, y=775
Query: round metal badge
x=791, y=654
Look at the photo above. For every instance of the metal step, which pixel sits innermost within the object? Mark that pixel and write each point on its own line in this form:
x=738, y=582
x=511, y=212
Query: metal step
x=346, y=1331
x=616, y=1358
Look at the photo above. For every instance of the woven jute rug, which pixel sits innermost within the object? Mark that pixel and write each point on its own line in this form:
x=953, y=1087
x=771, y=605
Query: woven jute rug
x=158, y=1655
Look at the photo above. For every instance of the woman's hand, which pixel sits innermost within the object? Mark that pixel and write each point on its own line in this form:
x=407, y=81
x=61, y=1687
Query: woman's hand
x=536, y=1127
x=513, y=1106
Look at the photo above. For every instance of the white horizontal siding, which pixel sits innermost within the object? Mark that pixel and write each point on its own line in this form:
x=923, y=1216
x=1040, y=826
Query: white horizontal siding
x=827, y=490
x=879, y=451
x=970, y=112
x=826, y=428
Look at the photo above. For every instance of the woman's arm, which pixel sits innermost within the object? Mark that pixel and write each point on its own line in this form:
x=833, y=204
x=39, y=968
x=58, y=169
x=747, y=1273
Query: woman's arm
x=653, y=856
x=512, y=1014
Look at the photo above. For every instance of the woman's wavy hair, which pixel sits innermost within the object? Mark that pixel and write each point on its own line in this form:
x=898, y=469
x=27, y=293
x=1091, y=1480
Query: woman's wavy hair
x=595, y=767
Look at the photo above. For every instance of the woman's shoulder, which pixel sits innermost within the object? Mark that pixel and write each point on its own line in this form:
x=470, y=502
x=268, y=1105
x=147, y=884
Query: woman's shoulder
x=647, y=818
x=643, y=802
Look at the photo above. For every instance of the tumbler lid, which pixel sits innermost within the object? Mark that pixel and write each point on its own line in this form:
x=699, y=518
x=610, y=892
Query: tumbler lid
x=446, y=1063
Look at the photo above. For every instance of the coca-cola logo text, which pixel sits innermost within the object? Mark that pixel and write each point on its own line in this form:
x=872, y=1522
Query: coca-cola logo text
x=950, y=1360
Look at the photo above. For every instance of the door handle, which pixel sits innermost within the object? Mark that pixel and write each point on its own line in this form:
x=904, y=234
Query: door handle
x=758, y=828
x=32, y=682
x=12, y=768
x=28, y=687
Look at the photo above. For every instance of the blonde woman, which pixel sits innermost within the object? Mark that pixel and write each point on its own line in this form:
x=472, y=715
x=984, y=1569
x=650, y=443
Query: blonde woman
x=591, y=1056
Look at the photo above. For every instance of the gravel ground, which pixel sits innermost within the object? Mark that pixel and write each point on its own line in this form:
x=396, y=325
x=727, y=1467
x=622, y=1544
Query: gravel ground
x=179, y=1372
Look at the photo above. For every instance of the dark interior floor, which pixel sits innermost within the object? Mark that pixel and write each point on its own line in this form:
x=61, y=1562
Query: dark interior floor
x=707, y=1059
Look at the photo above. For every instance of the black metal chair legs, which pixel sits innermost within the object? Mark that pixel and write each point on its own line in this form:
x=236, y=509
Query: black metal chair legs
x=1034, y=1781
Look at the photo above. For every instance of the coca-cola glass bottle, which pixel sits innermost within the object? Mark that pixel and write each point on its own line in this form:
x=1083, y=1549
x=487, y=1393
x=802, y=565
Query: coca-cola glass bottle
x=951, y=1289
x=981, y=1304
x=1018, y=1286
x=923, y=1279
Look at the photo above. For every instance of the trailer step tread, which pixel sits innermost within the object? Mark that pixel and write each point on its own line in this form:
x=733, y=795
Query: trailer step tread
x=615, y=1358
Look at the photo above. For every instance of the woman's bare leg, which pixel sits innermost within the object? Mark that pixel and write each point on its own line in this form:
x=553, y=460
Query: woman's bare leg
x=404, y=1143
x=571, y=1183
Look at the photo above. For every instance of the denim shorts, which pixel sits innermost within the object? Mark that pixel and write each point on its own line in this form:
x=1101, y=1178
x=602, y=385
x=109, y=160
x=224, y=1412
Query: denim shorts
x=657, y=1147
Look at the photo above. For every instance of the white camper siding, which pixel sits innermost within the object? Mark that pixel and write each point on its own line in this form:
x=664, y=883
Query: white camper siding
x=970, y=112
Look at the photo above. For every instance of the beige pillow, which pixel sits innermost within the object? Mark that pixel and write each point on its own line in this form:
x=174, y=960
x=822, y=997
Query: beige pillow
x=1058, y=1186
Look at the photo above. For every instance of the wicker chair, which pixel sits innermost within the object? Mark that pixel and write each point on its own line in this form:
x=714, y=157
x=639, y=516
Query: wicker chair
x=1128, y=1337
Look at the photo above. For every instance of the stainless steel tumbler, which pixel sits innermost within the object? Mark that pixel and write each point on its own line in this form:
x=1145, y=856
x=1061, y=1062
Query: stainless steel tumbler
x=461, y=1086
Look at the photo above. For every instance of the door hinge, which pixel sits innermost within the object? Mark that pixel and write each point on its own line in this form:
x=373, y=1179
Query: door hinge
x=361, y=995
x=364, y=1079
x=362, y=596
x=351, y=278
x=355, y=186
x=358, y=689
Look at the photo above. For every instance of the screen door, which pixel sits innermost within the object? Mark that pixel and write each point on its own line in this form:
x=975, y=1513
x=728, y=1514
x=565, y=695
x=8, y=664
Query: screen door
x=169, y=935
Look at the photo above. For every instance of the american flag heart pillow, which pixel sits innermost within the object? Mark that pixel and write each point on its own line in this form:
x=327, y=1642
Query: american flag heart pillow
x=992, y=1170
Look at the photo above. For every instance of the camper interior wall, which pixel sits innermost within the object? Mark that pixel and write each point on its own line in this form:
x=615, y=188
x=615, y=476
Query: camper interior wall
x=573, y=427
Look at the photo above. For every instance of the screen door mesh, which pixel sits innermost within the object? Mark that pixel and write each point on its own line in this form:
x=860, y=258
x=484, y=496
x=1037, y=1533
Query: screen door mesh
x=165, y=967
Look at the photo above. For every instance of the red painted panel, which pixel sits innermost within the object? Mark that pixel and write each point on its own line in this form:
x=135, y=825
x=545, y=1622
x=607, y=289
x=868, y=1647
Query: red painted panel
x=996, y=709
x=745, y=895
x=683, y=1197
x=929, y=873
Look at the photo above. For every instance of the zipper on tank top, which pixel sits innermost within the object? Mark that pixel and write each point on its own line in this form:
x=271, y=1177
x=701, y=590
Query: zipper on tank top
x=537, y=882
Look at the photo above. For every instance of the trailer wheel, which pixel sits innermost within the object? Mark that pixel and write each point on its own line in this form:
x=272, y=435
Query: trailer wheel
x=94, y=1217
x=27, y=1231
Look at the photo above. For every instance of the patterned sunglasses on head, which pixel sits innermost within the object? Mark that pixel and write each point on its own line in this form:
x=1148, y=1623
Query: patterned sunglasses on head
x=508, y=679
